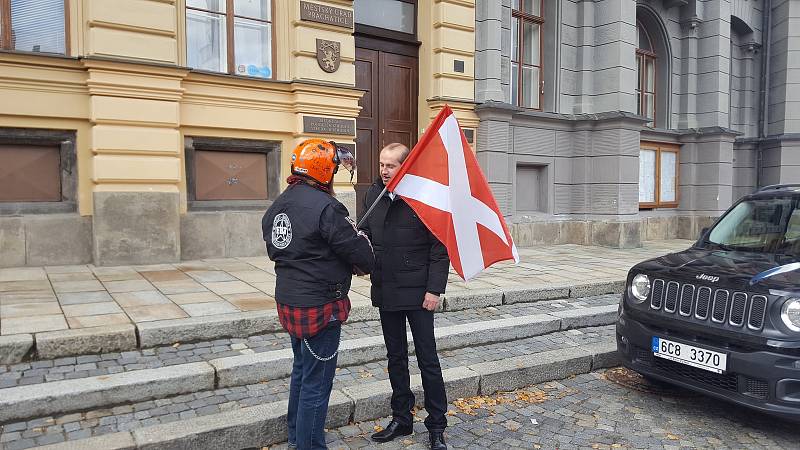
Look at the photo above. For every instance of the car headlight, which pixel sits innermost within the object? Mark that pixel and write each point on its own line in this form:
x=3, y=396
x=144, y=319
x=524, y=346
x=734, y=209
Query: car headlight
x=790, y=314
x=640, y=287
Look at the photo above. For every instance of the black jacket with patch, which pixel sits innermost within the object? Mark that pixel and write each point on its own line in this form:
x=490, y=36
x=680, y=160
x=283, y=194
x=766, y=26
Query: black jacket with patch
x=409, y=259
x=314, y=245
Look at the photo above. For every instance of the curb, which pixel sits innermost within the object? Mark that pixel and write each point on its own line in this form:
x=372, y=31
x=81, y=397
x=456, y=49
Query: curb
x=56, y=344
x=265, y=425
x=73, y=395
x=79, y=394
x=14, y=347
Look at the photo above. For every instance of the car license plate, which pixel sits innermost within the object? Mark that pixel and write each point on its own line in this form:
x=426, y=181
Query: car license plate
x=687, y=354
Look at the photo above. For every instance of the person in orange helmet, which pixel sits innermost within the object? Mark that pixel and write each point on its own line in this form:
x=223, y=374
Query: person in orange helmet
x=316, y=249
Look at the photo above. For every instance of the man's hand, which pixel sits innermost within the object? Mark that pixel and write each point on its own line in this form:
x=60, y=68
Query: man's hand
x=431, y=301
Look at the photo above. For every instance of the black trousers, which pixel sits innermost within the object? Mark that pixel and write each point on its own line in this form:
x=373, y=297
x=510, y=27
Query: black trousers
x=394, y=335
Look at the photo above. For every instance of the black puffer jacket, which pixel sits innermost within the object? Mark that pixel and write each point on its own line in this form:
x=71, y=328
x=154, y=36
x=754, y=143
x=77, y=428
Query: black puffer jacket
x=410, y=260
x=314, y=245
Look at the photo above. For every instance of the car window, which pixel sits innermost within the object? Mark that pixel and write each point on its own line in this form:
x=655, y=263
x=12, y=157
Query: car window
x=759, y=225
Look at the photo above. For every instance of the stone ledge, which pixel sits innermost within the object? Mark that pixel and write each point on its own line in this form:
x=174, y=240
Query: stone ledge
x=587, y=317
x=80, y=341
x=521, y=371
x=247, y=427
x=73, y=395
x=479, y=298
x=250, y=369
x=14, y=347
x=265, y=425
x=114, y=441
x=166, y=332
x=597, y=288
x=524, y=295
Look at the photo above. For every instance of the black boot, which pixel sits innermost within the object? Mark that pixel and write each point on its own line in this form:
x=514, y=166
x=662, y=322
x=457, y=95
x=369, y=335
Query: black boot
x=437, y=440
x=392, y=431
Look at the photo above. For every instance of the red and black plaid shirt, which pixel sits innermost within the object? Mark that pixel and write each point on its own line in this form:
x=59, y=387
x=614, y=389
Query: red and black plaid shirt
x=306, y=321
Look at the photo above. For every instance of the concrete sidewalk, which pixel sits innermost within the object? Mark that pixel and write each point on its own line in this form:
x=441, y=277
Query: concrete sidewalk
x=42, y=300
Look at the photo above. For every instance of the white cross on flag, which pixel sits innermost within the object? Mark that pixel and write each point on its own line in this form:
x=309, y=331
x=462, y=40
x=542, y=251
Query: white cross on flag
x=443, y=183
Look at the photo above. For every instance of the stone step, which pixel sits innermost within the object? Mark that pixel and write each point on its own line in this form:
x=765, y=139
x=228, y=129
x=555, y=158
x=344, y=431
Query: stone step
x=254, y=415
x=56, y=344
x=107, y=390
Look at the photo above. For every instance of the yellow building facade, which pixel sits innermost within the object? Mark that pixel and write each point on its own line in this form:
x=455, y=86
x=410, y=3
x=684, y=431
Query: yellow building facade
x=159, y=160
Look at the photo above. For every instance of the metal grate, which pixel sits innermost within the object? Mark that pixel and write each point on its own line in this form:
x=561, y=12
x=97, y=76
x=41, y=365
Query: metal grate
x=720, y=306
x=758, y=308
x=658, y=294
x=756, y=388
x=687, y=299
x=738, y=308
x=703, y=303
x=726, y=381
x=672, y=297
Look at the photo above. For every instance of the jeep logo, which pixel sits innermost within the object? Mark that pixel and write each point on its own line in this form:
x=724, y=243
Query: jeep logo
x=709, y=278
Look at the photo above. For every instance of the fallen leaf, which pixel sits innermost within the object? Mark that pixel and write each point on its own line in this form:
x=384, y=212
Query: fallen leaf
x=451, y=413
x=407, y=442
x=176, y=345
x=378, y=428
x=673, y=437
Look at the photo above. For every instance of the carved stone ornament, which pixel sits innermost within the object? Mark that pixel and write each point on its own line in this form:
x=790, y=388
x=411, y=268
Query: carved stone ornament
x=329, y=55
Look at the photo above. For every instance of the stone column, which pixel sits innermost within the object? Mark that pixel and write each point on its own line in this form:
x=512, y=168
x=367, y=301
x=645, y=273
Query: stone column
x=713, y=68
x=136, y=162
x=488, y=51
x=611, y=159
x=493, y=152
x=706, y=176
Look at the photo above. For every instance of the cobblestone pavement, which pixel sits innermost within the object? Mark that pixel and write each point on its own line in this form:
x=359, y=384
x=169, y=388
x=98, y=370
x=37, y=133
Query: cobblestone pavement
x=58, y=428
x=589, y=412
x=39, y=299
x=37, y=372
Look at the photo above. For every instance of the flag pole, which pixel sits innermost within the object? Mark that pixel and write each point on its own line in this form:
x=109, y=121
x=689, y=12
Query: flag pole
x=374, y=204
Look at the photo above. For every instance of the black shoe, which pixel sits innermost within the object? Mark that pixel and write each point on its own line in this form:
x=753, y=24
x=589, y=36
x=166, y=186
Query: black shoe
x=392, y=431
x=437, y=440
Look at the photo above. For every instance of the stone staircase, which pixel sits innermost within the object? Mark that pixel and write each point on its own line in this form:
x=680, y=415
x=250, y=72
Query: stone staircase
x=225, y=386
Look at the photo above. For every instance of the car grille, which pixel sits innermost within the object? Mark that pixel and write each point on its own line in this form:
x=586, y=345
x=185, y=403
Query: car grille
x=737, y=309
x=729, y=381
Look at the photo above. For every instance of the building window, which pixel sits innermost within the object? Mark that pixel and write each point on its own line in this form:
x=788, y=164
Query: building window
x=527, y=84
x=238, y=173
x=37, y=171
x=397, y=15
x=33, y=26
x=646, y=76
x=658, y=175
x=230, y=36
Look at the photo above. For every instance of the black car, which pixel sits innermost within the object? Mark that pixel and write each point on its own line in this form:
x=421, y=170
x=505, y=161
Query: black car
x=723, y=317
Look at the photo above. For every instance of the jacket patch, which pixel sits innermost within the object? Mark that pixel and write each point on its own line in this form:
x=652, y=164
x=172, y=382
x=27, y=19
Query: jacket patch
x=281, y=231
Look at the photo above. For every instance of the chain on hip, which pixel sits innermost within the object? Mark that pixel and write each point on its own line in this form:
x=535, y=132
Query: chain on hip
x=317, y=357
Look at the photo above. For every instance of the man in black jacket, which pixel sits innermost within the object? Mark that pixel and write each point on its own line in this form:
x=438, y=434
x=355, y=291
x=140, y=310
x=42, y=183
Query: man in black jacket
x=316, y=249
x=409, y=276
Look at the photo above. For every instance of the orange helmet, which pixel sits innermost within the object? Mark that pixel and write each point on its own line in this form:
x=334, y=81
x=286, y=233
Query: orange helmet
x=319, y=160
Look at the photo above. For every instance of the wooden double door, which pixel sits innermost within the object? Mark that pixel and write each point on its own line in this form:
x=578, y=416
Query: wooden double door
x=388, y=108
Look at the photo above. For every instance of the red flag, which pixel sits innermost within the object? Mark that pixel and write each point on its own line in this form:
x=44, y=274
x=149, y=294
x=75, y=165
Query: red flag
x=443, y=183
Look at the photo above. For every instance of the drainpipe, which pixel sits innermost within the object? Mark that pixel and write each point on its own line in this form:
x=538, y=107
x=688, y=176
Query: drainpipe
x=766, y=37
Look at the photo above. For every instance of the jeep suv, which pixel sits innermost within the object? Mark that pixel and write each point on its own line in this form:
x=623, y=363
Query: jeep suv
x=723, y=317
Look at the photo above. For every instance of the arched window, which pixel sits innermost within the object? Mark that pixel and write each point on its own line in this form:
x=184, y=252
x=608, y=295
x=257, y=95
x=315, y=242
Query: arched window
x=646, y=75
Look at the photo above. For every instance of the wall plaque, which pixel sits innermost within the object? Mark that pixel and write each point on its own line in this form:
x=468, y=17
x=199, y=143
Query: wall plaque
x=328, y=55
x=327, y=125
x=315, y=12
